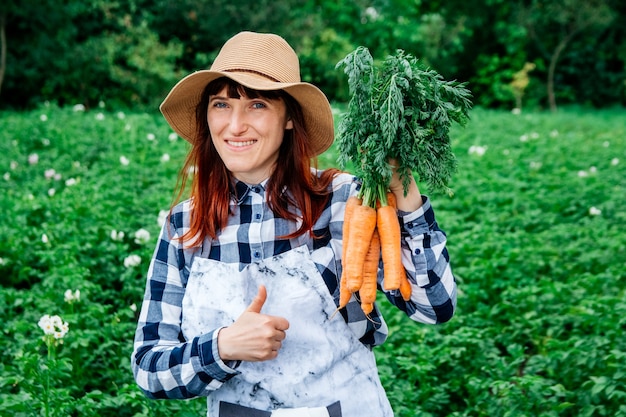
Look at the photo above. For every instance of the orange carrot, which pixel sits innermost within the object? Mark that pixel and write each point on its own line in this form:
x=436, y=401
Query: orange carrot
x=405, y=288
x=391, y=200
x=361, y=229
x=367, y=292
x=389, y=230
x=344, y=293
x=351, y=203
x=367, y=307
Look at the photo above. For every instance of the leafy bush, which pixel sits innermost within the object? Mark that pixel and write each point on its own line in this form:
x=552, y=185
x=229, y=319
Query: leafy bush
x=536, y=240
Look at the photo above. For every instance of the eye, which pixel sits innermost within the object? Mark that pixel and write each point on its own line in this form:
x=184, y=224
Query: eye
x=258, y=105
x=219, y=105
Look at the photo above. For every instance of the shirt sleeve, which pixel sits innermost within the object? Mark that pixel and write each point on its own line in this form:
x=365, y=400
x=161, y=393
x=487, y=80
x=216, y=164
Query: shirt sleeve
x=427, y=264
x=164, y=363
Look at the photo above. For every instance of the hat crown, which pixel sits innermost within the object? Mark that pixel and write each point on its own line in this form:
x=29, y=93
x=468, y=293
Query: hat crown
x=264, y=54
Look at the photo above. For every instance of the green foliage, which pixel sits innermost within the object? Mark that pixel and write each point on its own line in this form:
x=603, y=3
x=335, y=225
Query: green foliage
x=401, y=111
x=130, y=51
x=536, y=243
x=535, y=235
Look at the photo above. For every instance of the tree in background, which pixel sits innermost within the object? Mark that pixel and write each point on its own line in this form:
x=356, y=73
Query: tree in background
x=3, y=46
x=554, y=24
x=130, y=52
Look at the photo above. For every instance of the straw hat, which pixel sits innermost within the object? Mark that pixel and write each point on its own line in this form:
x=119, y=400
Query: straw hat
x=260, y=62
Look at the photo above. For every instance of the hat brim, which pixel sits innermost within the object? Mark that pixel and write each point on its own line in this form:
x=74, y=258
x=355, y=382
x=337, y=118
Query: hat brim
x=179, y=107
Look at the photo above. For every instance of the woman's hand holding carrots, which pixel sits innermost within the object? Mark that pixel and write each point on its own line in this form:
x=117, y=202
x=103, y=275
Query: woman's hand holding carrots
x=413, y=198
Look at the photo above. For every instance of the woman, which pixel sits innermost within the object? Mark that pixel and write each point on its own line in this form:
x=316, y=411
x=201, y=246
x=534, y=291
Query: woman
x=243, y=289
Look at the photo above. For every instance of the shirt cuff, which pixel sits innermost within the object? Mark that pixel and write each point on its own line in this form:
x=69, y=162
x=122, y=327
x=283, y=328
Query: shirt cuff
x=417, y=222
x=210, y=359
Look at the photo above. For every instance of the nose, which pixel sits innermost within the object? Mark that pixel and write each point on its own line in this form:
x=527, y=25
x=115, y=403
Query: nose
x=238, y=123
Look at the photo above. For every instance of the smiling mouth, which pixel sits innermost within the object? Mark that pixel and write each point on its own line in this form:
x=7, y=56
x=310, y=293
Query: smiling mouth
x=241, y=144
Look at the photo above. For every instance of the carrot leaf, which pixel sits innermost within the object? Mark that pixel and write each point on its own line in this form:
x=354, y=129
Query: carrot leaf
x=399, y=110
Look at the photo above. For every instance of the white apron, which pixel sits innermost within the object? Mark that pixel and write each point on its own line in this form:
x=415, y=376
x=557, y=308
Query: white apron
x=320, y=362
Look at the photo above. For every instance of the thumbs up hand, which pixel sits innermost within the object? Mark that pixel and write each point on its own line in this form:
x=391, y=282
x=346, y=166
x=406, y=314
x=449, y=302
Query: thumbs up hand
x=253, y=336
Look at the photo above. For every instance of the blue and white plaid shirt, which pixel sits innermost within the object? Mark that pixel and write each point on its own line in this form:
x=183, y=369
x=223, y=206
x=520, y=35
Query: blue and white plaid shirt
x=168, y=366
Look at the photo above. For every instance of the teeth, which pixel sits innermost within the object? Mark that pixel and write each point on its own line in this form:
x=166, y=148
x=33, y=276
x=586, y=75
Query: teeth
x=241, y=144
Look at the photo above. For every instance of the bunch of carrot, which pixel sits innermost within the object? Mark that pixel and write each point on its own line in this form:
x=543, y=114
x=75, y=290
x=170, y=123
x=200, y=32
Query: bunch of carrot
x=368, y=234
x=400, y=111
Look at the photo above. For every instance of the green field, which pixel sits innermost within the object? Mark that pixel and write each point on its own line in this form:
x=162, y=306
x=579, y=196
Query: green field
x=535, y=234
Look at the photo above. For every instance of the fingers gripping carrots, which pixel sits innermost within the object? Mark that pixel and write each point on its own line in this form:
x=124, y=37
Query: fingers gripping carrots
x=368, y=234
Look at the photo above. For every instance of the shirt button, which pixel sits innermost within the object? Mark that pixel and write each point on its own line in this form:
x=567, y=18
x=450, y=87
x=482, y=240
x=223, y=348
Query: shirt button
x=257, y=216
x=417, y=251
x=257, y=254
x=256, y=189
x=410, y=224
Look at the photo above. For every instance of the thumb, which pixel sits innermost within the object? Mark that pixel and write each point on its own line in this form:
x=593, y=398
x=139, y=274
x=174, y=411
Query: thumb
x=256, y=304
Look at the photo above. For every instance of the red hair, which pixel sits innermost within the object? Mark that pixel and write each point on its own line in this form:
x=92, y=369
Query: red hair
x=212, y=183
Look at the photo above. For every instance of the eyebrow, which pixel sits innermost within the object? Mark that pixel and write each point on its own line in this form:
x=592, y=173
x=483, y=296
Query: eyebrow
x=212, y=98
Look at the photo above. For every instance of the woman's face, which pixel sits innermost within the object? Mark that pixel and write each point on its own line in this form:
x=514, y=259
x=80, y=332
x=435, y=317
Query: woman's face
x=247, y=133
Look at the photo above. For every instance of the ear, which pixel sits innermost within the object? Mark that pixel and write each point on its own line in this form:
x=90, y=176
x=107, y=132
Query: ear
x=289, y=125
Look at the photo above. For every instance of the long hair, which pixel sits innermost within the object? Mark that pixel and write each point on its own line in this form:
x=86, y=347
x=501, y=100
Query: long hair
x=212, y=183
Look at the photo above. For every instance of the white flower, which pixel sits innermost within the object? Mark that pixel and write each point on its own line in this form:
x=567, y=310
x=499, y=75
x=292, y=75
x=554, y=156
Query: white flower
x=127, y=127
x=70, y=181
x=121, y=115
x=372, y=13
x=100, y=116
x=162, y=217
x=44, y=238
x=51, y=192
x=33, y=158
x=124, y=161
x=150, y=136
x=78, y=107
x=606, y=144
x=13, y=165
x=477, y=150
x=70, y=296
x=593, y=211
x=593, y=170
x=583, y=174
x=2, y=261
x=53, y=325
x=43, y=117
x=614, y=161
x=173, y=136
x=131, y=261
x=117, y=236
x=45, y=142
x=516, y=111
x=535, y=165
x=133, y=307
x=554, y=133
x=165, y=157
x=6, y=176
x=523, y=138
x=49, y=173
x=101, y=104
x=142, y=236
x=534, y=135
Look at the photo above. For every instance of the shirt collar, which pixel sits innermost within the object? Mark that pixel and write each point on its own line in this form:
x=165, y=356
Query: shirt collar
x=241, y=190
